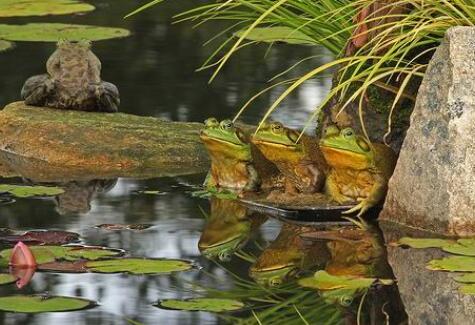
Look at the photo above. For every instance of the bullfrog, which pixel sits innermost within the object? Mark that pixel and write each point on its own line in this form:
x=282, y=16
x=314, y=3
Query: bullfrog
x=228, y=227
x=235, y=164
x=288, y=256
x=299, y=161
x=72, y=81
x=359, y=169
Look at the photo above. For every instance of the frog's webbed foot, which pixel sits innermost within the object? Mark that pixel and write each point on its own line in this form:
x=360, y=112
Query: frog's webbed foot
x=37, y=89
x=362, y=207
x=108, y=99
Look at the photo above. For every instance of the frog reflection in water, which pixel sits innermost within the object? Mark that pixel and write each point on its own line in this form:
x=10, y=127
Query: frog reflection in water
x=300, y=162
x=288, y=256
x=72, y=81
x=359, y=170
x=227, y=229
x=235, y=164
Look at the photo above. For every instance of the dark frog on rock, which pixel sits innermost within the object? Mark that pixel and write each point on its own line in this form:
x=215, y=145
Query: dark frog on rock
x=72, y=81
x=231, y=159
x=299, y=161
x=360, y=170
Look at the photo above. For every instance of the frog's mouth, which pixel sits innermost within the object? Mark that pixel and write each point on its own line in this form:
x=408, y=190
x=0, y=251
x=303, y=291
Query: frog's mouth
x=208, y=138
x=275, y=144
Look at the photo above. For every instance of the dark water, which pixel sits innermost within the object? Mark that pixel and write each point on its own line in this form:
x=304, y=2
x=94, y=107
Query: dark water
x=154, y=69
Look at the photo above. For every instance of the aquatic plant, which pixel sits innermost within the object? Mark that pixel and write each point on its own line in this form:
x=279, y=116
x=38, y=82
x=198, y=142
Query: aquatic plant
x=390, y=50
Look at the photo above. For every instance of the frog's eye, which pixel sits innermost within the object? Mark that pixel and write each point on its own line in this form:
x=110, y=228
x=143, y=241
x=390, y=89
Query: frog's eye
x=346, y=301
x=348, y=133
x=275, y=282
x=363, y=145
x=277, y=127
x=226, y=124
x=211, y=122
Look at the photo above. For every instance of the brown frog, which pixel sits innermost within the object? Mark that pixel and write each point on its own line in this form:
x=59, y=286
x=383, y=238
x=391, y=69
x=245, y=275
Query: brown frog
x=72, y=81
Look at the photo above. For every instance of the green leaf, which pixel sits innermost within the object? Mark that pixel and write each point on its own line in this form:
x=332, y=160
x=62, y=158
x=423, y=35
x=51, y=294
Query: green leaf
x=41, y=304
x=277, y=34
x=324, y=281
x=453, y=264
x=5, y=45
x=424, y=242
x=214, y=305
x=151, y=192
x=465, y=278
x=139, y=266
x=462, y=247
x=21, y=8
x=53, y=32
x=48, y=254
x=468, y=289
x=6, y=278
x=28, y=191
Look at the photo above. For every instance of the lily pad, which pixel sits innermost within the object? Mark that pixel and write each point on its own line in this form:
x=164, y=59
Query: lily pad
x=22, y=8
x=213, y=305
x=324, y=281
x=468, y=289
x=41, y=304
x=117, y=226
x=53, y=32
x=453, y=264
x=465, y=278
x=28, y=191
x=48, y=254
x=150, y=192
x=43, y=237
x=5, y=45
x=277, y=34
x=462, y=247
x=424, y=242
x=139, y=266
x=6, y=278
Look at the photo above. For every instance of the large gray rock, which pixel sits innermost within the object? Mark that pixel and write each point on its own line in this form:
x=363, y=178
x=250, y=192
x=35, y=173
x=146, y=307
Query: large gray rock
x=433, y=186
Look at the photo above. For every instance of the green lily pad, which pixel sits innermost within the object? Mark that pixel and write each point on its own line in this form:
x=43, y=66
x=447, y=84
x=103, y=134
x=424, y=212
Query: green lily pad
x=223, y=194
x=462, y=247
x=48, y=254
x=22, y=8
x=465, y=278
x=150, y=192
x=41, y=304
x=5, y=45
x=6, y=278
x=324, y=281
x=53, y=32
x=28, y=191
x=139, y=266
x=424, y=242
x=277, y=34
x=468, y=289
x=453, y=264
x=213, y=305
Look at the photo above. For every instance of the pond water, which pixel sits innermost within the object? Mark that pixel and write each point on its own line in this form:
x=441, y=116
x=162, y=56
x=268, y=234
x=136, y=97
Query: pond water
x=154, y=70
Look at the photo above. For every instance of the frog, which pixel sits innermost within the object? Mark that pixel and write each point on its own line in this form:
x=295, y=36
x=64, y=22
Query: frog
x=297, y=157
x=288, y=257
x=72, y=81
x=359, y=169
x=236, y=165
x=227, y=229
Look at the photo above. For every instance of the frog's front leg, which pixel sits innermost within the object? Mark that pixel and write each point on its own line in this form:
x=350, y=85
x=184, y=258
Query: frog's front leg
x=332, y=189
x=107, y=97
x=376, y=195
x=37, y=89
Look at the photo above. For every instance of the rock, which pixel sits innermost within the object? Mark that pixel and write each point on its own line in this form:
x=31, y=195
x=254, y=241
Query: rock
x=433, y=186
x=429, y=297
x=98, y=143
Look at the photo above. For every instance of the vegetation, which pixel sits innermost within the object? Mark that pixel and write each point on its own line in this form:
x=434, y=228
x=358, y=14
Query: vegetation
x=390, y=47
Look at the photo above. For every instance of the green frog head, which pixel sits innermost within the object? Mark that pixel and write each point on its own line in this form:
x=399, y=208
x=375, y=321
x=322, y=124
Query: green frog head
x=276, y=135
x=346, y=149
x=274, y=274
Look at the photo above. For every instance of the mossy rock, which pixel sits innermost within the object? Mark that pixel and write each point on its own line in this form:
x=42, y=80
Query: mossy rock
x=115, y=144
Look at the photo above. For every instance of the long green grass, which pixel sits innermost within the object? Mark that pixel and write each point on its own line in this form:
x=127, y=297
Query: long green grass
x=393, y=57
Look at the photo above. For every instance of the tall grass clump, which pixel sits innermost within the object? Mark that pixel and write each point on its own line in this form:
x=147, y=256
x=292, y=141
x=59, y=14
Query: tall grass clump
x=376, y=43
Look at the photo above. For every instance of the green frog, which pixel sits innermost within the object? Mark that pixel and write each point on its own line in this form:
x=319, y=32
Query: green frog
x=228, y=227
x=235, y=164
x=288, y=256
x=299, y=161
x=359, y=170
x=73, y=81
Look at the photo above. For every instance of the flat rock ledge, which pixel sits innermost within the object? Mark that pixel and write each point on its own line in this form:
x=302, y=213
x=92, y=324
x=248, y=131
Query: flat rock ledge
x=433, y=186
x=118, y=144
